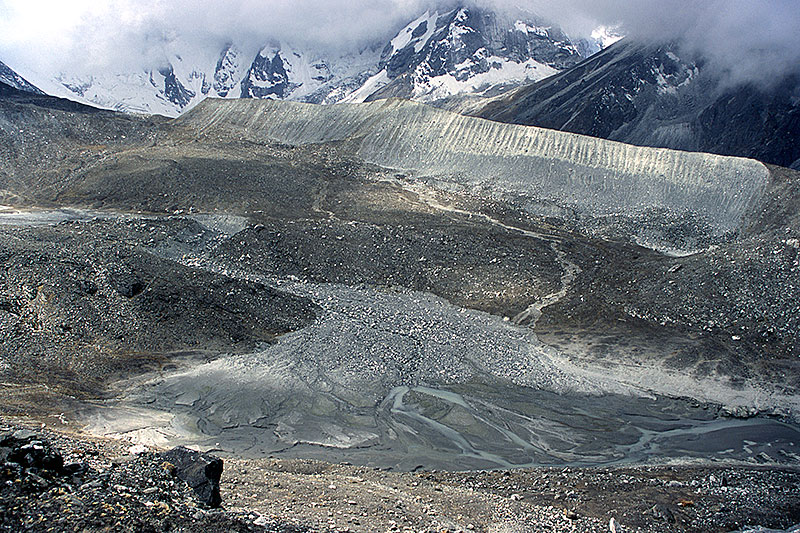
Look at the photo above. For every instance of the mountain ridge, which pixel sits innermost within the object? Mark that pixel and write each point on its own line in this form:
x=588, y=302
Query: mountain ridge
x=436, y=55
x=469, y=51
x=14, y=80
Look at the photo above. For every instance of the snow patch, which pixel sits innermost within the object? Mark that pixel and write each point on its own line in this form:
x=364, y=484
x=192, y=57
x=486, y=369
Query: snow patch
x=431, y=28
x=373, y=84
x=503, y=71
x=406, y=35
x=458, y=29
x=529, y=29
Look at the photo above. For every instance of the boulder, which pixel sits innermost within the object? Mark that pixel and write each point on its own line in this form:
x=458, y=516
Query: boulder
x=24, y=448
x=201, y=471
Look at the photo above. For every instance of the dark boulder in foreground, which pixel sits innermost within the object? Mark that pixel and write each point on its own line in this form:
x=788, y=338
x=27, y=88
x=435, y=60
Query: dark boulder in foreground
x=25, y=449
x=201, y=471
x=94, y=489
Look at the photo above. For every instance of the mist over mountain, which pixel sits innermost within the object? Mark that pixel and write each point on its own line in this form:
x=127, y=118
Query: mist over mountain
x=436, y=54
x=180, y=52
x=747, y=40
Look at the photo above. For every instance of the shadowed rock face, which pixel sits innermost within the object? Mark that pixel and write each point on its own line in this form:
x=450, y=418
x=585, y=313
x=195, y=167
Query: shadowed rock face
x=388, y=281
x=174, y=90
x=647, y=95
x=270, y=73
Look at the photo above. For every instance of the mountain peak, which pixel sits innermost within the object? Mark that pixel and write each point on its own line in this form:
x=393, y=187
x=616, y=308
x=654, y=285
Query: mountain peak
x=471, y=50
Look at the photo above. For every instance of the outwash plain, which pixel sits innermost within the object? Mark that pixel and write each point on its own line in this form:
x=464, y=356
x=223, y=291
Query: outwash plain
x=389, y=317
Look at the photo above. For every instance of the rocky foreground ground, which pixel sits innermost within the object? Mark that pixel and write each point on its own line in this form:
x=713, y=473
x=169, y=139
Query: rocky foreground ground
x=55, y=482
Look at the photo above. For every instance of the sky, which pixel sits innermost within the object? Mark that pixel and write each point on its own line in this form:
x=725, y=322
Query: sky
x=746, y=39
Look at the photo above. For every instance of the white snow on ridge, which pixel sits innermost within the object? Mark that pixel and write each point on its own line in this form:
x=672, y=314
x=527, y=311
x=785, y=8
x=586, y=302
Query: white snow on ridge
x=129, y=93
x=503, y=71
x=459, y=29
x=144, y=91
x=374, y=83
x=404, y=36
x=431, y=29
x=190, y=73
x=606, y=35
x=231, y=68
x=527, y=29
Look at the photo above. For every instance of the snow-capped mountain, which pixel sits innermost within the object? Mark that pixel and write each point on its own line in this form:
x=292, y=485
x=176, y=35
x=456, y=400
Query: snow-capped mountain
x=601, y=38
x=12, y=79
x=465, y=50
x=468, y=51
x=285, y=72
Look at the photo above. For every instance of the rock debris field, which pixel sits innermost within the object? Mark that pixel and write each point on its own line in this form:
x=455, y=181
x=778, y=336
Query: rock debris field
x=376, y=328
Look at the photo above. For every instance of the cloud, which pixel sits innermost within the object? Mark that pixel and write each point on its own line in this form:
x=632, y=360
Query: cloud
x=85, y=34
x=748, y=41
x=745, y=39
x=742, y=40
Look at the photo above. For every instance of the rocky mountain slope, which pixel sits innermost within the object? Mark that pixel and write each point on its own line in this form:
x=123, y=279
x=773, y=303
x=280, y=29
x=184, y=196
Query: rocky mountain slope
x=648, y=95
x=437, y=55
x=12, y=79
x=400, y=287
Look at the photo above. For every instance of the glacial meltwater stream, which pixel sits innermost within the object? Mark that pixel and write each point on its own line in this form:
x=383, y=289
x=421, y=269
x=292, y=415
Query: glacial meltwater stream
x=405, y=380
